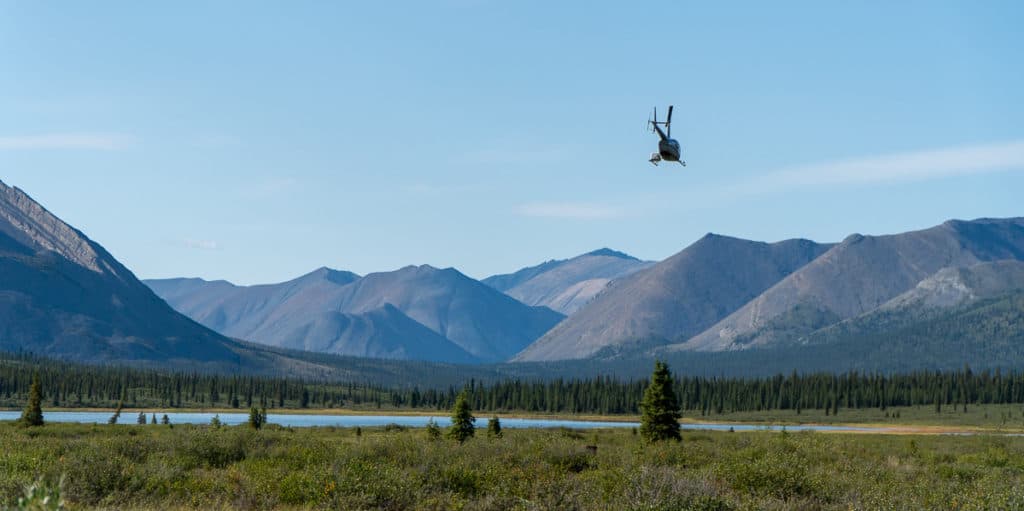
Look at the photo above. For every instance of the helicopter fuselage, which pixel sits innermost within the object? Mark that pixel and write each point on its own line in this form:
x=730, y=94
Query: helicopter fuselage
x=669, y=149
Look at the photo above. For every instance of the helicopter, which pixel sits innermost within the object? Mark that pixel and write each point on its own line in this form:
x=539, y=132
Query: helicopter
x=668, y=147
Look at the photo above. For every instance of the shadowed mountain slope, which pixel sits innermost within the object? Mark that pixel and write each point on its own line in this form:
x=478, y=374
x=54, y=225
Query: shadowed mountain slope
x=63, y=295
x=239, y=311
x=379, y=333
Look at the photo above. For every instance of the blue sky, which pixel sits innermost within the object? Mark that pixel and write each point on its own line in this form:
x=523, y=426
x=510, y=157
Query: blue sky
x=257, y=141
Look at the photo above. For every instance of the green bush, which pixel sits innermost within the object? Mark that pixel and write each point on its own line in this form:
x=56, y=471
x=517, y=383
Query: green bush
x=95, y=475
x=214, y=448
x=773, y=473
x=569, y=458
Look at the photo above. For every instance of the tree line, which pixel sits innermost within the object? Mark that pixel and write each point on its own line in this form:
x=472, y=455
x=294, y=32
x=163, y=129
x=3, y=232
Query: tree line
x=65, y=384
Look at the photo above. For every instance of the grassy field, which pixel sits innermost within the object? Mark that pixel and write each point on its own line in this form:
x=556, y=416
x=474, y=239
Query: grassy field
x=1004, y=417
x=159, y=467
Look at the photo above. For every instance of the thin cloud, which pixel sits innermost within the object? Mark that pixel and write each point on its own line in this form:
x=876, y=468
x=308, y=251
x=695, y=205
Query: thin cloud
x=201, y=244
x=89, y=141
x=912, y=166
x=569, y=210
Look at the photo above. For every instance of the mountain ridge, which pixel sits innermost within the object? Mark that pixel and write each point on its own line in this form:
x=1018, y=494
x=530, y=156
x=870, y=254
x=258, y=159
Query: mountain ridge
x=565, y=285
x=480, y=323
x=674, y=298
x=64, y=295
x=859, y=274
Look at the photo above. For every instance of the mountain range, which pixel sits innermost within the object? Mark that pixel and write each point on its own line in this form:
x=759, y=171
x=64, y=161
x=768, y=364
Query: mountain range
x=416, y=312
x=922, y=299
x=859, y=275
x=676, y=298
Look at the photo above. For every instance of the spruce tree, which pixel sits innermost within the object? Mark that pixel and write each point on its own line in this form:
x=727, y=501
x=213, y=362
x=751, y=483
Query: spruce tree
x=494, y=428
x=659, y=407
x=142, y=418
x=462, y=427
x=33, y=413
x=256, y=418
x=153, y=421
x=165, y=420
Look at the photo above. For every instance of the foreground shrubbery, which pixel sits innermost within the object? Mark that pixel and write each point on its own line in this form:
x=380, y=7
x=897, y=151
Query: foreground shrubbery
x=196, y=466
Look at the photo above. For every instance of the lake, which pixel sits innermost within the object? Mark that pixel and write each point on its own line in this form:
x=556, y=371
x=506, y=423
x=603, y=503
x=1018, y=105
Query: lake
x=415, y=421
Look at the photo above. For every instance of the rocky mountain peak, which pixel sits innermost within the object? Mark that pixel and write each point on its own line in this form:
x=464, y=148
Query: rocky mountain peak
x=30, y=224
x=607, y=252
x=853, y=239
x=331, y=275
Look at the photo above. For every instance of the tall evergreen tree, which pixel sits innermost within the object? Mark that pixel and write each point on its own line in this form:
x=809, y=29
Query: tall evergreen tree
x=256, y=418
x=659, y=407
x=33, y=413
x=494, y=427
x=462, y=427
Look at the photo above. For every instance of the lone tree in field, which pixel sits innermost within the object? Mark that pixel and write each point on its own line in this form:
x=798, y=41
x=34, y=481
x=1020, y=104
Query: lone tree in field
x=462, y=427
x=494, y=427
x=33, y=413
x=660, y=408
x=256, y=418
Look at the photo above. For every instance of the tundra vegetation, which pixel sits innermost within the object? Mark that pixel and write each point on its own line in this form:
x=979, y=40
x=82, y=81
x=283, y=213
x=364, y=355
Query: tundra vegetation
x=201, y=467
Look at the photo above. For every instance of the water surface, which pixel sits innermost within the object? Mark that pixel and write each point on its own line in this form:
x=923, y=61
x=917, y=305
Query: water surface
x=415, y=421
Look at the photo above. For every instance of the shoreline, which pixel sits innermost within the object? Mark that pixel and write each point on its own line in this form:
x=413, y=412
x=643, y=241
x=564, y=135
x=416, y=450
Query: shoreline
x=865, y=427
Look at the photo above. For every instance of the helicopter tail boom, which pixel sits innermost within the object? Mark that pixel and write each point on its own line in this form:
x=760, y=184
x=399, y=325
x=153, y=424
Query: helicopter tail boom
x=655, y=125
